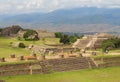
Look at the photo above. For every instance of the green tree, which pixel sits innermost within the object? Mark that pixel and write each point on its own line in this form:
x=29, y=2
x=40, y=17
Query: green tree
x=65, y=39
x=59, y=35
x=111, y=43
x=30, y=35
x=1, y=29
x=73, y=39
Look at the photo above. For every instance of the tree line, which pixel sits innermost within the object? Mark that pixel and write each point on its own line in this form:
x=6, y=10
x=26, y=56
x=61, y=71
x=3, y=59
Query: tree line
x=112, y=43
x=67, y=39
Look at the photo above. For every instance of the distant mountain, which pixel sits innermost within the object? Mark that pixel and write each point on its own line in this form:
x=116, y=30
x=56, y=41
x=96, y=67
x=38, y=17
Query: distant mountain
x=78, y=19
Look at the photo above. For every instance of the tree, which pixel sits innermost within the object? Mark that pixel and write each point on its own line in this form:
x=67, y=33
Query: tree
x=30, y=35
x=58, y=35
x=73, y=39
x=65, y=39
x=107, y=45
x=111, y=44
x=1, y=29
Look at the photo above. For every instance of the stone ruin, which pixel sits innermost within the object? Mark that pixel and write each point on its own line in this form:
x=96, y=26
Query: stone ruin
x=2, y=81
x=12, y=56
x=42, y=55
x=91, y=41
x=2, y=59
x=18, y=45
x=11, y=31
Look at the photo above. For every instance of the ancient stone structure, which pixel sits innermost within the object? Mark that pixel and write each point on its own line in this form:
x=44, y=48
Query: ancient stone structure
x=21, y=33
x=49, y=50
x=45, y=34
x=2, y=59
x=57, y=65
x=18, y=45
x=63, y=64
x=107, y=62
x=12, y=56
x=21, y=58
x=2, y=81
x=91, y=41
x=30, y=57
x=11, y=31
x=41, y=34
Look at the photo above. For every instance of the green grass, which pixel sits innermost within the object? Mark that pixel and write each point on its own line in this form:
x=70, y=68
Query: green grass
x=6, y=41
x=116, y=50
x=6, y=50
x=105, y=56
x=90, y=75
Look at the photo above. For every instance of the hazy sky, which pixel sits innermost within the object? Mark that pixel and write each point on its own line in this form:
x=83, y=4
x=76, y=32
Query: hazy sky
x=17, y=6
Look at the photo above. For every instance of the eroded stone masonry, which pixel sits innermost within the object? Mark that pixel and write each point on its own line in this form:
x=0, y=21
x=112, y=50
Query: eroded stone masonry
x=57, y=65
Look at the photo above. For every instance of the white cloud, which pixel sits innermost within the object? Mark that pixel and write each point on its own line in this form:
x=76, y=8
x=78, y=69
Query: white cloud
x=50, y=5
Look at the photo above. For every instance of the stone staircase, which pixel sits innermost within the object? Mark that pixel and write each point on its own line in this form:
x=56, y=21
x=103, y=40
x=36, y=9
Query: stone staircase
x=71, y=64
x=81, y=43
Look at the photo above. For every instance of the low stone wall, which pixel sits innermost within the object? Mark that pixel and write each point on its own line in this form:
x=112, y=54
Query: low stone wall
x=111, y=59
x=17, y=66
x=2, y=81
x=108, y=62
x=107, y=59
x=47, y=66
x=15, y=72
x=57, y=65
x=56, y=50
x=20, y=72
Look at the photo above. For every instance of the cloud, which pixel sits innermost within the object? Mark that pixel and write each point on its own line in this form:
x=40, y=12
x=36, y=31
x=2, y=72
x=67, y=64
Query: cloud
x=22, y=6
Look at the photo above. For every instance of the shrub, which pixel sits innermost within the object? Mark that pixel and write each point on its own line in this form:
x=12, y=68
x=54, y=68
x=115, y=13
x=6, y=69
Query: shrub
x=21, y=45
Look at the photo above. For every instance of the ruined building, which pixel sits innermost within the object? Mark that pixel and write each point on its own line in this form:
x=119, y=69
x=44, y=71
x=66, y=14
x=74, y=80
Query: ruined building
x=91, y=41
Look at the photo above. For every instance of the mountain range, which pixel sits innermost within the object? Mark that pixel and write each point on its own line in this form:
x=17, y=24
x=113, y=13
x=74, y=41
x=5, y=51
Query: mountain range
x=85, y=19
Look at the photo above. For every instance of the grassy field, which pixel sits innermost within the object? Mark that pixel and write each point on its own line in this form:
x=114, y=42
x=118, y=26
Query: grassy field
x=90, y=75
x=6, y=50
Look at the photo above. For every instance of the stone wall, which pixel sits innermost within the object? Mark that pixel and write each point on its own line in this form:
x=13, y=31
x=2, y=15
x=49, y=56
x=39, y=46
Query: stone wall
x=108, y=62
x=68, y=64
x=57, y=50
x=20, y=72
x=14, y=72
x=16, y=66
x=47, y=66
x=57, y=65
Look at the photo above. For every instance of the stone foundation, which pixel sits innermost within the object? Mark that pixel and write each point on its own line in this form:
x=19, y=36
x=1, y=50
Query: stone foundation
x=57, y=65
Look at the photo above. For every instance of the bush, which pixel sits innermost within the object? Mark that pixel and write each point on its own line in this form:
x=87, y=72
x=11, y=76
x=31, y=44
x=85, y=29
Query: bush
x=21, y=45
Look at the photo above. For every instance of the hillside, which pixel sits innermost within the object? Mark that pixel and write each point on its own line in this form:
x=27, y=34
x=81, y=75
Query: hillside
x=79, y=19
